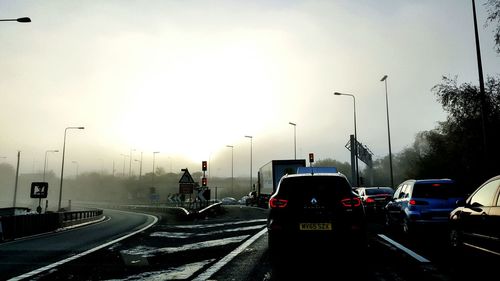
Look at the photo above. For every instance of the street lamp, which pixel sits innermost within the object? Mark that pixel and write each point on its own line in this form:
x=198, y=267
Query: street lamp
x=232, y=168
x=481, y=82
x=153, y=175
x=384, y=79
x=130, y=163
x=251, y=140
x=23, y=20
x=355, y=135
x=45, y=162
x=294, y=139
x=76, y=163
x=123, y=167
x=62, y=165
x=140, y=168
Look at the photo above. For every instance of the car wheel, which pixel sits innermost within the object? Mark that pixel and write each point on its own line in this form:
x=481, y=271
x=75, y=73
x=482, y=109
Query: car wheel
x=387, y=220
x=406, y=227
x=455, y=238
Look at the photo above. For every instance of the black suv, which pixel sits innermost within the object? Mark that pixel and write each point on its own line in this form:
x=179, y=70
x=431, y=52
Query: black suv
x=315, y=208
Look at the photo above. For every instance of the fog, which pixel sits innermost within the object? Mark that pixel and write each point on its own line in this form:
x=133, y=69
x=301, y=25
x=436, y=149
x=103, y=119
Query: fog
x=188, y=78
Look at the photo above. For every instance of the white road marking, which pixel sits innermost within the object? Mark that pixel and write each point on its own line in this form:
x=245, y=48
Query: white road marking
x=148, y=252
x=59, y=263
x=225, y=260
x=178, y=273
x=404, y=249
x=199, y=226
x=482, y=249
x=183, y=235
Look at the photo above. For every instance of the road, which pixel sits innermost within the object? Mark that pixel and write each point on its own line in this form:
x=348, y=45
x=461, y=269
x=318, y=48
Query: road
x=233, y=246
x=28, y=254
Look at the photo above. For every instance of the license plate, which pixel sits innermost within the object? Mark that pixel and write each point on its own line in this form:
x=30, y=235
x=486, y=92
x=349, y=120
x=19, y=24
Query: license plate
x=315, y=226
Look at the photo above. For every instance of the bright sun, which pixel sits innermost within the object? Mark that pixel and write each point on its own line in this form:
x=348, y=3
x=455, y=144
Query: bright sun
x=200, y=102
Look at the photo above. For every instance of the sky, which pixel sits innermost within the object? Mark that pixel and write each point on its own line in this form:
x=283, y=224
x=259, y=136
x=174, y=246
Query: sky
x=187, y=78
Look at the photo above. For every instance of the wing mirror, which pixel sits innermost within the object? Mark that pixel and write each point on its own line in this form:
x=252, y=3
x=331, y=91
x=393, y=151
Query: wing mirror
x=460, y=202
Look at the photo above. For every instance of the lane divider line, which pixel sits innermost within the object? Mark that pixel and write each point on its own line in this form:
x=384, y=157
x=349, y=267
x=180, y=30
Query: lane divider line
x=482, y=249
x=404, y=249
x=61, y=262
x=225, y=260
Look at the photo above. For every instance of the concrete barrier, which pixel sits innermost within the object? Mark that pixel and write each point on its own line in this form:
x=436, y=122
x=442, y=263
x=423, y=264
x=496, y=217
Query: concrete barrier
x=13, y=227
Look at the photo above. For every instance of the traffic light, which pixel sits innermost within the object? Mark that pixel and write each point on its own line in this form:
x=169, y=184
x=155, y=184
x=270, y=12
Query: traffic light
x=203, y=181
x=311, y=157
x=203, y=166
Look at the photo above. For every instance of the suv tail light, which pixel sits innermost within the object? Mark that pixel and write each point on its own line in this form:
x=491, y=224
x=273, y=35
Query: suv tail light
x=369, y=200
x=418, y=202
x=351, y=202
x=277, y=203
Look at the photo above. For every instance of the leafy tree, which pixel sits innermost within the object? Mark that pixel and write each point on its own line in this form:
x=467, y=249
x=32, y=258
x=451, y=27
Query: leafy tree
x=344, y=168
x=493, y=7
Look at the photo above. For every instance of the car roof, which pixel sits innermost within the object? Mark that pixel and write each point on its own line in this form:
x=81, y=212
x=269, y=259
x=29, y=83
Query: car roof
x=314, y=175
x=431, y=181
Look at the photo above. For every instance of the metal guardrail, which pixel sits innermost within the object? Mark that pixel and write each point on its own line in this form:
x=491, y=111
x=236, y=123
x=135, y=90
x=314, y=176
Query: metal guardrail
x=12, y=227
x=79, y=215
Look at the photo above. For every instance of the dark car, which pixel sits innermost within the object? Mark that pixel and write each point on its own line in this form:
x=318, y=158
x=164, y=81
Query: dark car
x=476, y=222
x=311, y=208
x=419, y=204
x=375, y=198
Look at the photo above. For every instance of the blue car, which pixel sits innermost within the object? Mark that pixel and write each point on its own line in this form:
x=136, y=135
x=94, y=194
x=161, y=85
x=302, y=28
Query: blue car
x=417, y=204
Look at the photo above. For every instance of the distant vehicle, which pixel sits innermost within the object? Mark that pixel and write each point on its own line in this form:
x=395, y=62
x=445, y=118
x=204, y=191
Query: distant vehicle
x=244, y=200
x=312, y=170
x=422, y=203
x=476, y=222
x=229, y=201
x=375, y=198
x=315, y=208
x=269, y=176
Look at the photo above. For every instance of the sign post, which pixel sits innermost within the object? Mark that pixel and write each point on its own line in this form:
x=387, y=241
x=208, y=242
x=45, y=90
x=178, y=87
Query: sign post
x=39, y=190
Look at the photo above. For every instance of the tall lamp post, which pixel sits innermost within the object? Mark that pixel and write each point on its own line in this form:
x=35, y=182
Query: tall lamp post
x=45, y=162
x=130, y=163
x=232, y=168
x=384, y=79
x=140, y=168
x=123, y=167
x=294, y=139
x=153, y=175
x=23, y=20
x=481, y=83
x=355, y=134
x=62, y=165
x=251, y=140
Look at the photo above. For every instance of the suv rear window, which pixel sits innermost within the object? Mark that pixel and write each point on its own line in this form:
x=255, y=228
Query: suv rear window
x=374, y=191
x=436, y=190
x=327, y=188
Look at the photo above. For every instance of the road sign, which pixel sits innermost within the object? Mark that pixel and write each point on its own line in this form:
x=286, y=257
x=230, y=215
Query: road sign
x=175, y=198
x=204, y=195
x=186, y=177
x=186, y=188
x=154, y=197
x=39, y=189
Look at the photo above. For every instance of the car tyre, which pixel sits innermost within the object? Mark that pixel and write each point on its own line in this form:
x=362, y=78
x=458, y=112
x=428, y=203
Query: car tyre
x=455, y=239
x=406, y=227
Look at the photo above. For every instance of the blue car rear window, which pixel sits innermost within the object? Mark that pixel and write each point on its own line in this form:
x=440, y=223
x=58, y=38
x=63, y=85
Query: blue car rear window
x=436, y=190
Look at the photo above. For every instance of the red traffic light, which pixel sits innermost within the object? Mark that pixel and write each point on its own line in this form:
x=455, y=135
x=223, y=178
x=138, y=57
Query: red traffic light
x=204, y=165
x=311, y=157
x=203, y=181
